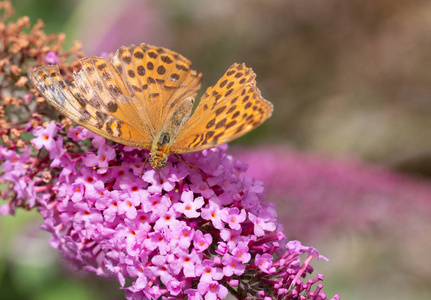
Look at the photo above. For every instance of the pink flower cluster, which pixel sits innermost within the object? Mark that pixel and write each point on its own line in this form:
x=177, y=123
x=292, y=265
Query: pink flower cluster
x=197, y=232
x=186, y=232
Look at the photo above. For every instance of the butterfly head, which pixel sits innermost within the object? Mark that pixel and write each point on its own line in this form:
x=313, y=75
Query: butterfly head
x=158, y=160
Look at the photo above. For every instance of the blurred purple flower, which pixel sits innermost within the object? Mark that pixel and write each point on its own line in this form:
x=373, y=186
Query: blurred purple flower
x=317, y=195
x=52, y=58
x=131, y=21
x=27, y=98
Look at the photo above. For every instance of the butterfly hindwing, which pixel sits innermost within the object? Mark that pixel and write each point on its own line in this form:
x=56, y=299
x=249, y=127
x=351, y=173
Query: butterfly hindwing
x=227, y=110
x=110, y=93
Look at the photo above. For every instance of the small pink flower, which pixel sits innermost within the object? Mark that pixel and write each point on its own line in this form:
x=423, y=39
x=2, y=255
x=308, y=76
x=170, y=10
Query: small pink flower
x=222, y=248
x=128, y=207
x=14, y=163
x=199, y=186
x=157, y=240
x=161, y=267
x=233, y=238
x=104, y=155
x=27, y=98
x=264, y=263
x=174, y=287
x=241, y=252
x=109, y=204
x=77, y=134
x=157, y=183
x=45, y=136
x=209, y=271
x=189, y=205
x=135, y=187
x=188, y=262
x=51, y=58
x=232, y=265
x=181, y=236
x=201, y=241
x=212, y=290
x=77, y=191
x=193, y=294
x=261, y=225
x=233, y=217
x=213, y=212
x=166, y=220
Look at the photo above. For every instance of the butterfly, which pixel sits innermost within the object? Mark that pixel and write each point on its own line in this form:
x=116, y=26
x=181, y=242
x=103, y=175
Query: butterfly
x=143, y=97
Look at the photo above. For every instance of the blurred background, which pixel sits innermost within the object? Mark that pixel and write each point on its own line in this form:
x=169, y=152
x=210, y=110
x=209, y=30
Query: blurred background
x=346, y=156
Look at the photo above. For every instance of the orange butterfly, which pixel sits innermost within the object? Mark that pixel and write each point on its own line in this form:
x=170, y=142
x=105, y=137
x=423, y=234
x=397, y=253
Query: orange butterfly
x=143, y=97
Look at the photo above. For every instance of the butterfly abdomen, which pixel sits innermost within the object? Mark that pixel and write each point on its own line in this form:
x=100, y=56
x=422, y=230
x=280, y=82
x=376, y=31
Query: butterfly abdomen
x=160, y=150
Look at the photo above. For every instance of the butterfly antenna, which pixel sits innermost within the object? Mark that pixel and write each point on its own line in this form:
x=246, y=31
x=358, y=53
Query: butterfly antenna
x=194, y=167
x=113, y=167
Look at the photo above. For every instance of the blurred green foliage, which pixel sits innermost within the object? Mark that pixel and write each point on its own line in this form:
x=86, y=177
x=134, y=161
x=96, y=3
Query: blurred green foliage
x=53, y=13
x=31, y=269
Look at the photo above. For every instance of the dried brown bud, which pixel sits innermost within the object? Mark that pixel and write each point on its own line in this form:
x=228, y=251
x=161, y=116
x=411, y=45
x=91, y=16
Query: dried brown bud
x=5, y=139
x=67, y=124
x=4, y=62
x=15, y=70
x=8, y=10
x=7, y=100
x=40, y=100
x=36, y=120
x=69, y=147
x=33, y=52
x=15, y=133
x=20, y=143
x=22, y=81
x=15, y=101
x=23, y=22
x=46, y=177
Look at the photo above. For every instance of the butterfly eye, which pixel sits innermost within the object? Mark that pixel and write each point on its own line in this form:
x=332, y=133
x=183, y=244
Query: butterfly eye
x=164, y=139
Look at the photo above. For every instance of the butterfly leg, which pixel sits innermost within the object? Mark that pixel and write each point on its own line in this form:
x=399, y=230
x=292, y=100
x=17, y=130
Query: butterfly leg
x=194, y=167
x=163, y=173
x=145, y=164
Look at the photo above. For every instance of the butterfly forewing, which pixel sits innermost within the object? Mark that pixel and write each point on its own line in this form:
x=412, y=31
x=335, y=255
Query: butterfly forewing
x=227, y=110
x=81, y=103
x=158, y=78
